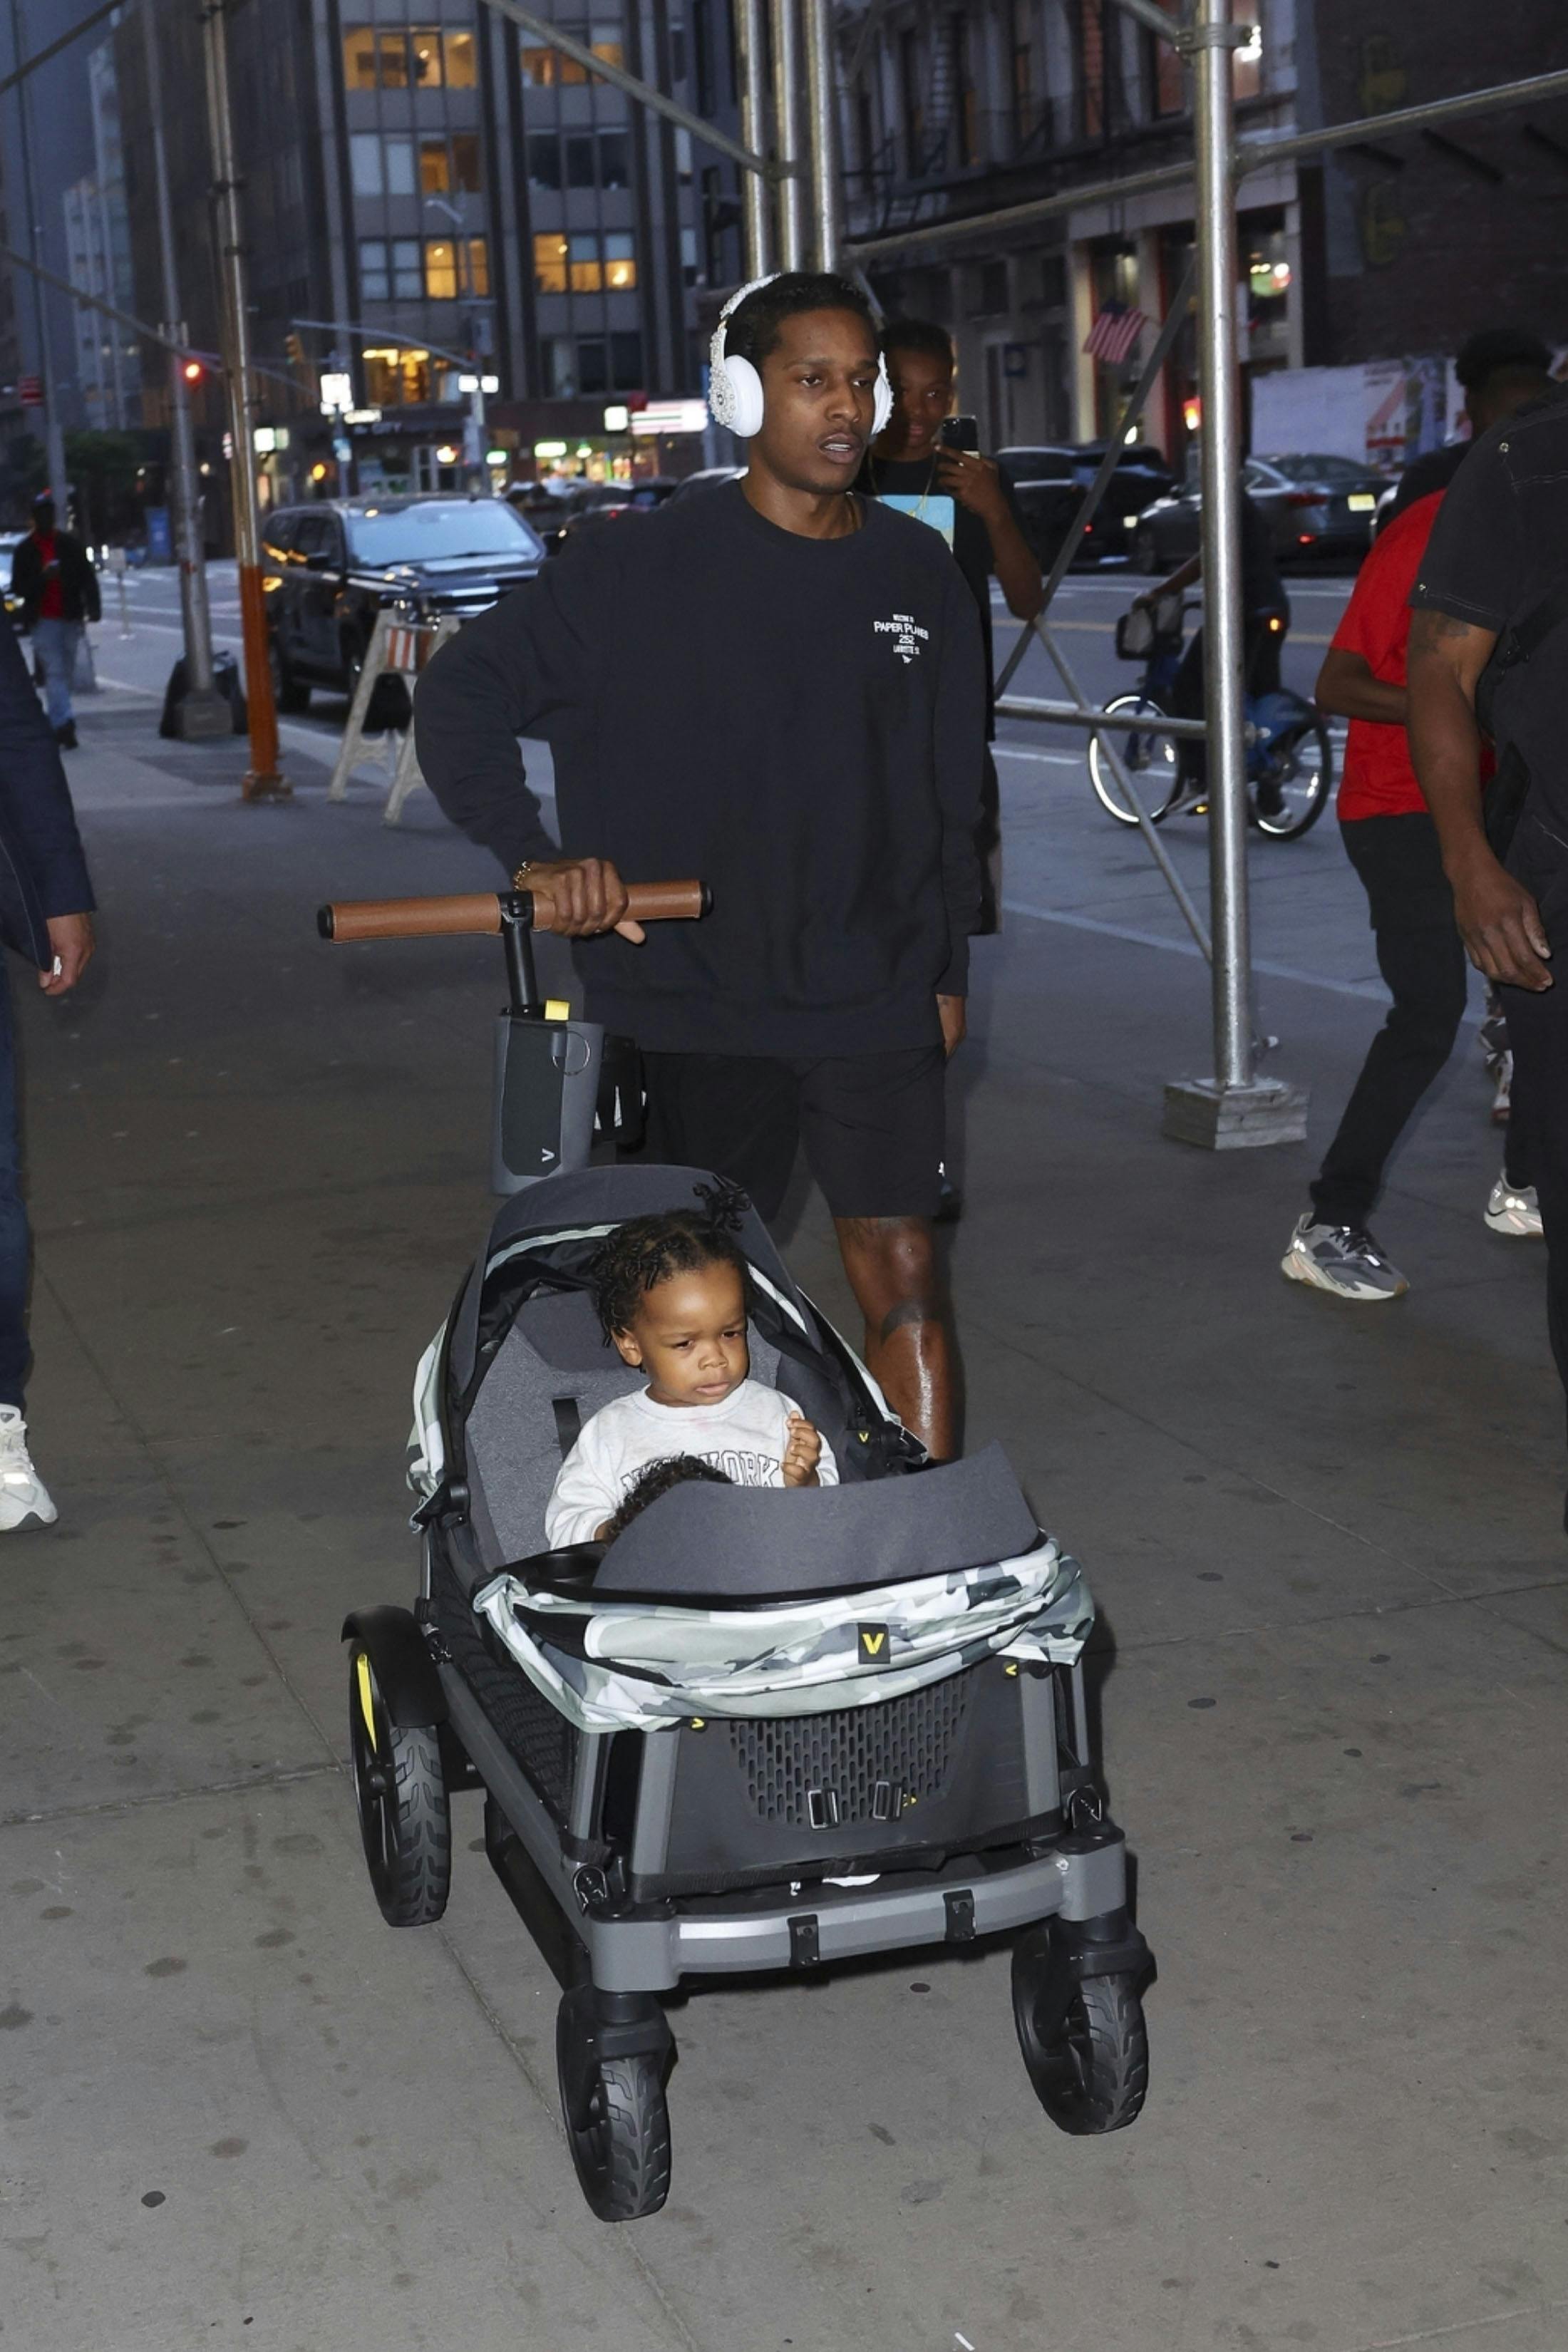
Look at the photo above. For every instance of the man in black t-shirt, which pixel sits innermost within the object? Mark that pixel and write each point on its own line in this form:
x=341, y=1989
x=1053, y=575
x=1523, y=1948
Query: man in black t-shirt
x=1494, y=582
x=775, y=686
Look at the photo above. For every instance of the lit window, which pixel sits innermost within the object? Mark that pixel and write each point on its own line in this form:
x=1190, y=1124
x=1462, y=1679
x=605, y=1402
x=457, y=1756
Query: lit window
x=407, y=284
x=441, y=269
x=426, y=44
x=365, y=158
x=392, y=50
x=541, y=67
x=400, y=167
x=478, y=265
x=620, y=263
x=606, y=43
x=359, y=57
x=465, y=161
x=462, y=65
x=550, y=264
x=585, y=272
x=374, y=283
x=435, y=167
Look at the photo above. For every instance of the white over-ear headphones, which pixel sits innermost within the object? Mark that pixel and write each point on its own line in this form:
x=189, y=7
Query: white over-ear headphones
x=735, y=389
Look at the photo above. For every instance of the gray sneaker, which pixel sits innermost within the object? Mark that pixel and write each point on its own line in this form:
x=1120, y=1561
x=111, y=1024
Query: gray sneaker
x=1513, y=1209
x=1343, y=1259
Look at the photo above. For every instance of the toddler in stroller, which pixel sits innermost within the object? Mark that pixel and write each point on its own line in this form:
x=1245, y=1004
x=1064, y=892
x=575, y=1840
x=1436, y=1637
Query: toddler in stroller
x=757, y=1731
x=671, y=1294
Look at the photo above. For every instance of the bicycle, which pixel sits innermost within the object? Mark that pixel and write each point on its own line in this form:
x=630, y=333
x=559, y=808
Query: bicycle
x=1289, y=761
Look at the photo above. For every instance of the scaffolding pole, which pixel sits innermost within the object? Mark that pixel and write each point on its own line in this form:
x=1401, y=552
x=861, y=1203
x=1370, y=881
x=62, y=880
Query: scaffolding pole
x=263, y=779
x=789, y=97
x=826, y=180
x=750, y=25
x=201, y=711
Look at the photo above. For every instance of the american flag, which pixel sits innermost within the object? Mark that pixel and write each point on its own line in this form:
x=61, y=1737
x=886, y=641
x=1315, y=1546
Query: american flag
x=1113, y=334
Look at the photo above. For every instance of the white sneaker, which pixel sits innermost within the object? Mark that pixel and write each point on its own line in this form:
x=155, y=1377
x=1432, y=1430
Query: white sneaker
x=1510, y=1212
x=25, y=1501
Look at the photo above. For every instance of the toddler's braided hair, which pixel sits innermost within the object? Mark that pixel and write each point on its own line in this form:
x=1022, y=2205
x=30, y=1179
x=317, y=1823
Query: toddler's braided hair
x=646, y=1251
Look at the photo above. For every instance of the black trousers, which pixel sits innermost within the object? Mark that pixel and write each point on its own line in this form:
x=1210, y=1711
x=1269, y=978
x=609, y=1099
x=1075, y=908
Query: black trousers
x=1420, y=957
x=1538, y=1032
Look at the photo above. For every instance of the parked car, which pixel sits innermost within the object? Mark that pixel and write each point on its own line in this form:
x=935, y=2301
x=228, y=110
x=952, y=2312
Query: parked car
x=551, y=507
x=1048, y=483
x=1316, y=505
x=707, y=480
x=333, y=566
x=621, y=499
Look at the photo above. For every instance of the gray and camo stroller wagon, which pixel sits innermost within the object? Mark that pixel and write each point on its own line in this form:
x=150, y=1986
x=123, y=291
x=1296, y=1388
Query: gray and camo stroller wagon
x=764, y=1730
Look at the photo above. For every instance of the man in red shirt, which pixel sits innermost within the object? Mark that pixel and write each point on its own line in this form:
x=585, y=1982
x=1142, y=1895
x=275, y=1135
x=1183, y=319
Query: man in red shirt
x=1392, y=841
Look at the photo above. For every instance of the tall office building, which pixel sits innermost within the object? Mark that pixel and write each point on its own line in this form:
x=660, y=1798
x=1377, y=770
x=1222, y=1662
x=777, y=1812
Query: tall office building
x=430, y=194
x=97, y=244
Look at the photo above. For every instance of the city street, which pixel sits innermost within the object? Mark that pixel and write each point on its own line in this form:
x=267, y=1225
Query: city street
x=1326, y=1543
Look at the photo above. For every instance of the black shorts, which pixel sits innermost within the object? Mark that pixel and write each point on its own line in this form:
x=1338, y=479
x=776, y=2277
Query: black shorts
x=872, y=1124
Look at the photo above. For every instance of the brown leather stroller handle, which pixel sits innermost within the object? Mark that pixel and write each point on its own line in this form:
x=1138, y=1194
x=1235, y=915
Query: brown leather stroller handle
x=478, y=914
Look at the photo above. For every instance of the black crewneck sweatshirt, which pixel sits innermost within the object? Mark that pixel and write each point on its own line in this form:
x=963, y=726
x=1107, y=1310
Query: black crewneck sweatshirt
x=798, y=722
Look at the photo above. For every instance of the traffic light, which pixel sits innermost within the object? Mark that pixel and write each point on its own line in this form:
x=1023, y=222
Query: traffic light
x=194, y=373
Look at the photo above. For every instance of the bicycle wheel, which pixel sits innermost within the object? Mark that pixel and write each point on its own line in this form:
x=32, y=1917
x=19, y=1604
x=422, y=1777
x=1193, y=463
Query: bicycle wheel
x=1292, y=787
x=1149, y=760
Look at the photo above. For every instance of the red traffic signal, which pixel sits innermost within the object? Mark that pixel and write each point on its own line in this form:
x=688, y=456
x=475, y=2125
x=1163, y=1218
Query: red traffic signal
x=193, y=370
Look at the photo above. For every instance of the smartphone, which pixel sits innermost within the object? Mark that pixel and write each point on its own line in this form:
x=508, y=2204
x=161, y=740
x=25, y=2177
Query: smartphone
x=960, y=433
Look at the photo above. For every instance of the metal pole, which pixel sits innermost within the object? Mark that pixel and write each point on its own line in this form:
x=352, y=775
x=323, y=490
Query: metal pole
x=54, y=435
x=790, y=145
x=1233, y=1107
x=202, y=711
x=1220, y=460
x=826, y=182
x=263, y=780
x=751, y=72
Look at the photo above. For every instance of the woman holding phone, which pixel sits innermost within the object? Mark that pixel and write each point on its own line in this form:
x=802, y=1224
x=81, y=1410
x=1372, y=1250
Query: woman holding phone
x=928, y=463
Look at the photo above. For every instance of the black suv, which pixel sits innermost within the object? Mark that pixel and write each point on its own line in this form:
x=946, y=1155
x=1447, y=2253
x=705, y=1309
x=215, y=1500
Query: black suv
x=331, y=567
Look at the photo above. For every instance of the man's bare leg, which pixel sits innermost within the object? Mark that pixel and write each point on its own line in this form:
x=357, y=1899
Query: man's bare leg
x=893, y=1266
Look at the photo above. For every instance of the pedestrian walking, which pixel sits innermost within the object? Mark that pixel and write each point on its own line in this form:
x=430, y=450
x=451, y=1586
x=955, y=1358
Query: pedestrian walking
x=53, y=578
x=1392, y=841
x=966, y=497
x=1486, y=648
x=46, y=917
x=775, y=684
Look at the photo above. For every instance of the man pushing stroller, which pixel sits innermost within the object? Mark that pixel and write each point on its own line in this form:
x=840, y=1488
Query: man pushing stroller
x=778, y=686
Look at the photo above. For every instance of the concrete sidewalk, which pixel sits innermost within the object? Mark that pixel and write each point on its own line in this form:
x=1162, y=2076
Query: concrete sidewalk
x=1328, y=1549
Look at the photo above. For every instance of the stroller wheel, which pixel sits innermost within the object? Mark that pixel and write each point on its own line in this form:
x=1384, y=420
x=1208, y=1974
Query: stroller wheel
x=1089, y=2062
x=402, y=1800
x=617, y=2123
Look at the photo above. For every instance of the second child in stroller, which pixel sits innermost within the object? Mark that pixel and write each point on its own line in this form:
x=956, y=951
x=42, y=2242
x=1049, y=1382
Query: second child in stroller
x=670, y=1294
